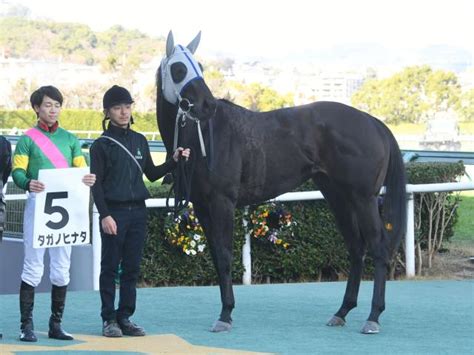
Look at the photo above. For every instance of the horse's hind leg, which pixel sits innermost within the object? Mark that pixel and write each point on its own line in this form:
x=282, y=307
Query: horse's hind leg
x=377, y=240
x=356, y=258
x=347, y=223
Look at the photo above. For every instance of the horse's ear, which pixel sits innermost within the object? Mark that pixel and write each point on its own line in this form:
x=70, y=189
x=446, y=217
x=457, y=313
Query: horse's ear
x=169, y=44
x=192, y=46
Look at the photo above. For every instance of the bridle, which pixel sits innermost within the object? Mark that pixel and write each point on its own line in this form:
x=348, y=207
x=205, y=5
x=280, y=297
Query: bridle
x=184, y=113
x=172, y=92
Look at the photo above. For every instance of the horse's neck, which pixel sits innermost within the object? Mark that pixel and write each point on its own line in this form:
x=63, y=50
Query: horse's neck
x=166, y=123
x=237, y=119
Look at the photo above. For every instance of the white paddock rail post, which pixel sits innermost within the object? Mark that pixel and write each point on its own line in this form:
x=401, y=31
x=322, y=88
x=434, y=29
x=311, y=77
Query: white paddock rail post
x=410, y=234
x=96, y=248
x=246, y=254
x=316, y=195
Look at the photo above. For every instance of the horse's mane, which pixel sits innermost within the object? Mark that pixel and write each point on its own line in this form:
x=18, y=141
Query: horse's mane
x=232, y=105
x=225, y=101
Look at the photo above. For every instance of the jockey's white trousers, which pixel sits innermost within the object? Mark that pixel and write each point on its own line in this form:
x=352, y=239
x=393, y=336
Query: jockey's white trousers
x=33, y=263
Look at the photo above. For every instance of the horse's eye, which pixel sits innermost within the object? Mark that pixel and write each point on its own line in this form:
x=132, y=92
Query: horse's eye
x=178, y=72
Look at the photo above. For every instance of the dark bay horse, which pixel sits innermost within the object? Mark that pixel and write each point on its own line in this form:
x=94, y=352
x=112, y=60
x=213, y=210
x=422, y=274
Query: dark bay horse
x=243, y=157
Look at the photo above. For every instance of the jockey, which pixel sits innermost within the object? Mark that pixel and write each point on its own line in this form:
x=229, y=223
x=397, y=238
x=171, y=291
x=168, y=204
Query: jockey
x=41, y=148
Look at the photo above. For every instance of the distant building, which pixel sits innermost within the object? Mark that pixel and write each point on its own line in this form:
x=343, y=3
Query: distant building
x=307, y=83
x=337, y=86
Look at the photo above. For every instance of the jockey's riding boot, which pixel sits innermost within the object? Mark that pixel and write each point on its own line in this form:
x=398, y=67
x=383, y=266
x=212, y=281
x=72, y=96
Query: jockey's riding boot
x=58, y=300
x=27, y=301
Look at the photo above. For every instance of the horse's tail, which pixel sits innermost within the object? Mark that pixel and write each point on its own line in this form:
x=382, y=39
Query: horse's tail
x=394, y=202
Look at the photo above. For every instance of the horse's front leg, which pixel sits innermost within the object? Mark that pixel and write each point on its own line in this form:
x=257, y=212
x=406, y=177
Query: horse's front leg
x=221, y=234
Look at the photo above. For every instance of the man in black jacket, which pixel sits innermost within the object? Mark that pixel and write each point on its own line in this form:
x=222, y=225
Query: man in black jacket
x=119, y=158
x=5, y=170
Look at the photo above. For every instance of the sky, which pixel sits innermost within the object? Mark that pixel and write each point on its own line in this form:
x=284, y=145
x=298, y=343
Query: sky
x=271, y=28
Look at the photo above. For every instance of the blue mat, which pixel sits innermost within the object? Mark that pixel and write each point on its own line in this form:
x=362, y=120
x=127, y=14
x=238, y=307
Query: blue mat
x=421, y=317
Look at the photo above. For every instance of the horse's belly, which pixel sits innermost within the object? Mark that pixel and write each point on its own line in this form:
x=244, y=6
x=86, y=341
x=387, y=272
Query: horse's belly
x=275, y=182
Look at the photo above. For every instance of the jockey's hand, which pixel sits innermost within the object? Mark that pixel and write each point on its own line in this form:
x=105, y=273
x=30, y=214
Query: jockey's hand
x=108, y=225
x=183, y=152
x=36, y=186
x=89, y=179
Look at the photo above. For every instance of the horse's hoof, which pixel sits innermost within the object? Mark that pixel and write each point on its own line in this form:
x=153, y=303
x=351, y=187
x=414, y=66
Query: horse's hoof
x=370, y=327
x=336, y=321
x=220, y=326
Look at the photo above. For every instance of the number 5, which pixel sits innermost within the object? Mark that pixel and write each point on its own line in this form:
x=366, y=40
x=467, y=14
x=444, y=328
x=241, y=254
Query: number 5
x=50, y=209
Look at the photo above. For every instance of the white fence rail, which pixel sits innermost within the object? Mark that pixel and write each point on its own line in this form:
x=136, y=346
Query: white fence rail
x=405, y=141
x=291, y=196
x=315, y=195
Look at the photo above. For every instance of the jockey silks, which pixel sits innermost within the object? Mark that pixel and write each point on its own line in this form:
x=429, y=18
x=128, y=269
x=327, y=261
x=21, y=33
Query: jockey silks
x=29, y=157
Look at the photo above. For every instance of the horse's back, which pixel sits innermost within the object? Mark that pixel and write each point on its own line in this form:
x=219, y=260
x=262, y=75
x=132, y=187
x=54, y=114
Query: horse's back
x=291, y=145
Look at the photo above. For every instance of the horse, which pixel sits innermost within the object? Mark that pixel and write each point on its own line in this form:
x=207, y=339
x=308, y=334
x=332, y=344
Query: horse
x=241, y=157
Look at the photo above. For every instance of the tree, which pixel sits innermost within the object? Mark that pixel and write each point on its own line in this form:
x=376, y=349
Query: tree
x=146, y=100
x=86, y=96
x=216, y=82
x=411, y=95
x=20, y=94
x=116, y=48
x=442, y=90
x=466, y=106
x=258, y=97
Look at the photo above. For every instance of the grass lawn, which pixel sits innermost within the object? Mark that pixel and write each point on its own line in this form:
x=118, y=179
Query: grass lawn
x=466, y=127
x=408, y=128
x=464, y=229
x=419, y=128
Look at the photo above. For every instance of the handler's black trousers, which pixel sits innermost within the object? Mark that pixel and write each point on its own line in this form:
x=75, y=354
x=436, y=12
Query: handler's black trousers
x=125, y=249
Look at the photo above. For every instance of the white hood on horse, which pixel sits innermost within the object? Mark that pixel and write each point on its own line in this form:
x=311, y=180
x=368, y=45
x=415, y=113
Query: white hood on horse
x=172, y=90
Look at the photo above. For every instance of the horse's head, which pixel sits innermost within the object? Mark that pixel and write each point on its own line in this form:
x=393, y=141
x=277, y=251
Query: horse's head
x=182, y=82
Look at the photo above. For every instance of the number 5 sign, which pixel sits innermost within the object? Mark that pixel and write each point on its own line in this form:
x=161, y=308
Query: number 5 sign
x=62, y=209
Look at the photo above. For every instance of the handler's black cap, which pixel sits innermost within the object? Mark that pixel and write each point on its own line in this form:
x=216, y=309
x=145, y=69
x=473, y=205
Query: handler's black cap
x=116, y=95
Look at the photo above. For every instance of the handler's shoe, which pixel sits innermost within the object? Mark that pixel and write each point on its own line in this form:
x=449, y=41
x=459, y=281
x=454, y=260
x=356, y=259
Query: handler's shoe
x=111, y=329
x=27, y=334
x=130, y=328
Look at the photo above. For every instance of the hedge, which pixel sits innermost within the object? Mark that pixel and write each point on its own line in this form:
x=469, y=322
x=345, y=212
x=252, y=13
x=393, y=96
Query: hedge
x=80, y=120
x=316, y=251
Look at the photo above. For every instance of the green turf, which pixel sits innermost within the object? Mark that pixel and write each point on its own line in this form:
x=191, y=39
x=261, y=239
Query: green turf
x=408, y=128
x=466, y=127
x=420, y=128
x=464, y=229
